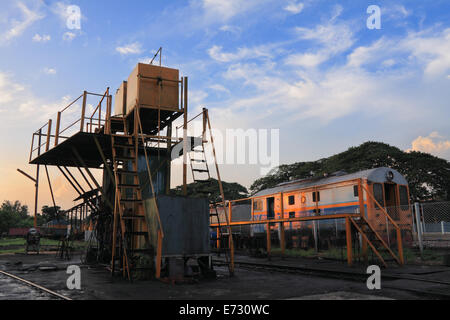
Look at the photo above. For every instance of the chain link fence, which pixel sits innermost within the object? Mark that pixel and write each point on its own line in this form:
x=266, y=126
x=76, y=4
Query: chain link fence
x=433, y=224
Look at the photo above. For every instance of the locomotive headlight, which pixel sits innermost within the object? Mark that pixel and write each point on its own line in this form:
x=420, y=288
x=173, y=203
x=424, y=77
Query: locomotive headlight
x=389, y=175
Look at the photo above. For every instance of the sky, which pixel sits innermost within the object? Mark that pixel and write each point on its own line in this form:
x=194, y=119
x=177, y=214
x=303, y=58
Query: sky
x=312, y=69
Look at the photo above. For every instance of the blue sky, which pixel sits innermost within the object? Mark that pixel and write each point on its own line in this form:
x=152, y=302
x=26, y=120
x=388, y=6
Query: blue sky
x=309, y=68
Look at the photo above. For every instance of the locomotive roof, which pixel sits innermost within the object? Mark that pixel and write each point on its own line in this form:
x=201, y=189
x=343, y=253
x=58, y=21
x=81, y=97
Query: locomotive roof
x=372, y=175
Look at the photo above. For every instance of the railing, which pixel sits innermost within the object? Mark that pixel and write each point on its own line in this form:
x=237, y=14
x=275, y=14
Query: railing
x=390, y=230
x=73, y=122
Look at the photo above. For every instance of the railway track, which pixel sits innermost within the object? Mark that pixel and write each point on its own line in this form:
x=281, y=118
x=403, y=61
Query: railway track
x=350, y=276
x=32, y=287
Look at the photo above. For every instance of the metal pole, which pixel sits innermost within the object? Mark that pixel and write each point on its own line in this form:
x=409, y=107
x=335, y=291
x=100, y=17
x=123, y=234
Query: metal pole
x=419, y=229
x=316, y=244
x=37, y=182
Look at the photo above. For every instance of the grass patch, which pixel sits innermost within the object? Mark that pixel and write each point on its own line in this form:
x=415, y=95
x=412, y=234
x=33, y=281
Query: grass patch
x=17, y=245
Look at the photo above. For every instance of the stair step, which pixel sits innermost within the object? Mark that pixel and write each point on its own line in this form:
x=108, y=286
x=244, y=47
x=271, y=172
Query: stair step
x=130, y=200
x=124, y=146
x=128, y=217
x=141, y=250
x=202, y=181
x=200, y=170
x=134, y=186
x=198, y=160
x=143, y=233
x=122, y=135
x=127, y=172
x=123, y=158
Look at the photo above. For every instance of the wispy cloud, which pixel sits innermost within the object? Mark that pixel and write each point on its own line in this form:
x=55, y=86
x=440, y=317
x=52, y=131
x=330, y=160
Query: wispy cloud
x=69, y=36
x=132, y=48
x=44, y=38
x=216, y=53
x=17, y=27
x=49, y=71
x=329, y=40
x=294, y=7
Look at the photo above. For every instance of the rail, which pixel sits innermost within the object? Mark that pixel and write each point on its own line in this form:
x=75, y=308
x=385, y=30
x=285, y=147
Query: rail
x=77, y=119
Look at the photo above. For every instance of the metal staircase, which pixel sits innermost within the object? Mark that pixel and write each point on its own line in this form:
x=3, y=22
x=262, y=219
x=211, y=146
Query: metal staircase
x=202, y=177
x=129, y=216
x=374, y=240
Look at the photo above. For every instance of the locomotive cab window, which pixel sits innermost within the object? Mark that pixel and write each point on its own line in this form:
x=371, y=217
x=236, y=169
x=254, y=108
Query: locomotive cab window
x=378, y=194
x=291, y=200
x=355, y=191
x=403, y=192
x=316, y=196
x=257, y=205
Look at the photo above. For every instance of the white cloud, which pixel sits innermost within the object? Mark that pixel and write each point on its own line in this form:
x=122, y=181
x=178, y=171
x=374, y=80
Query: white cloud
x=232, y=29
x=44, y=38
x=132, y=48
x=50, y=71
x=433, y=144
x=17, y=27
x=216, y=53
x=29, y=107
x=331, y=38
x=69, y=36
x=224, y=10
x=219, y=88
x=294, y=7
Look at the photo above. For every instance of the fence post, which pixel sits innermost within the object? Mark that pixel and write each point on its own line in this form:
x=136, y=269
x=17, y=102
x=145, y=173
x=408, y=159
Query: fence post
x=316, y=244
x=442, y=227
x=419, y=227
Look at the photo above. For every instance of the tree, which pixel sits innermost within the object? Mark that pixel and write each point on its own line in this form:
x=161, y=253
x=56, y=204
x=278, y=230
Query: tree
x=14, y=215
x=232, y=191
x=51, y=213
x=428, y=176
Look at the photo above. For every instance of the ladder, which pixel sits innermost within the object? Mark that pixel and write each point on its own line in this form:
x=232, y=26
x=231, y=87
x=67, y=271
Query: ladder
x=129, y=216
x=374, y=240
x=202, y=177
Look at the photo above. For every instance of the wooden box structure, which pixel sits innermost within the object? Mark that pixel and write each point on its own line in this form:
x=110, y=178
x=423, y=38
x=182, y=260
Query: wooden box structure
x=153, y=87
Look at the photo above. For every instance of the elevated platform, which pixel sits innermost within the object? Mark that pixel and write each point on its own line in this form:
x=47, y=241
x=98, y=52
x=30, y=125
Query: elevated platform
x=63, y=155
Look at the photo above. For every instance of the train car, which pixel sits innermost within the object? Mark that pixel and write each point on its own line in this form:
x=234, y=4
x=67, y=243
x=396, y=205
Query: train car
x=335, y=194
x=55, y=229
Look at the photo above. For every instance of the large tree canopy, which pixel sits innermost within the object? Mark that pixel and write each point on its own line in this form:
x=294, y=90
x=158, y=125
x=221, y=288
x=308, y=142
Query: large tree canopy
x=428, y=176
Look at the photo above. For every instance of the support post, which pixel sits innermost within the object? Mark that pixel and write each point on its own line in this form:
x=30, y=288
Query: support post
x=83, y=111
x=159, y=255
x=348, y=234
x=185, y=142
x=58, y=124
x=282, y=233
x=37, y=182
x=269, y=242
x=49, y=134
x=363, y=216
x=316, y=240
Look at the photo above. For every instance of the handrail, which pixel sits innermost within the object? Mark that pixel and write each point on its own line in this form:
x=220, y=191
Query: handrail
x=58, y=130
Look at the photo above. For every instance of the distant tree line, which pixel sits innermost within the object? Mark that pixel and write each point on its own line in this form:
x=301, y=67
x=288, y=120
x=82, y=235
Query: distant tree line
x=16, y=215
